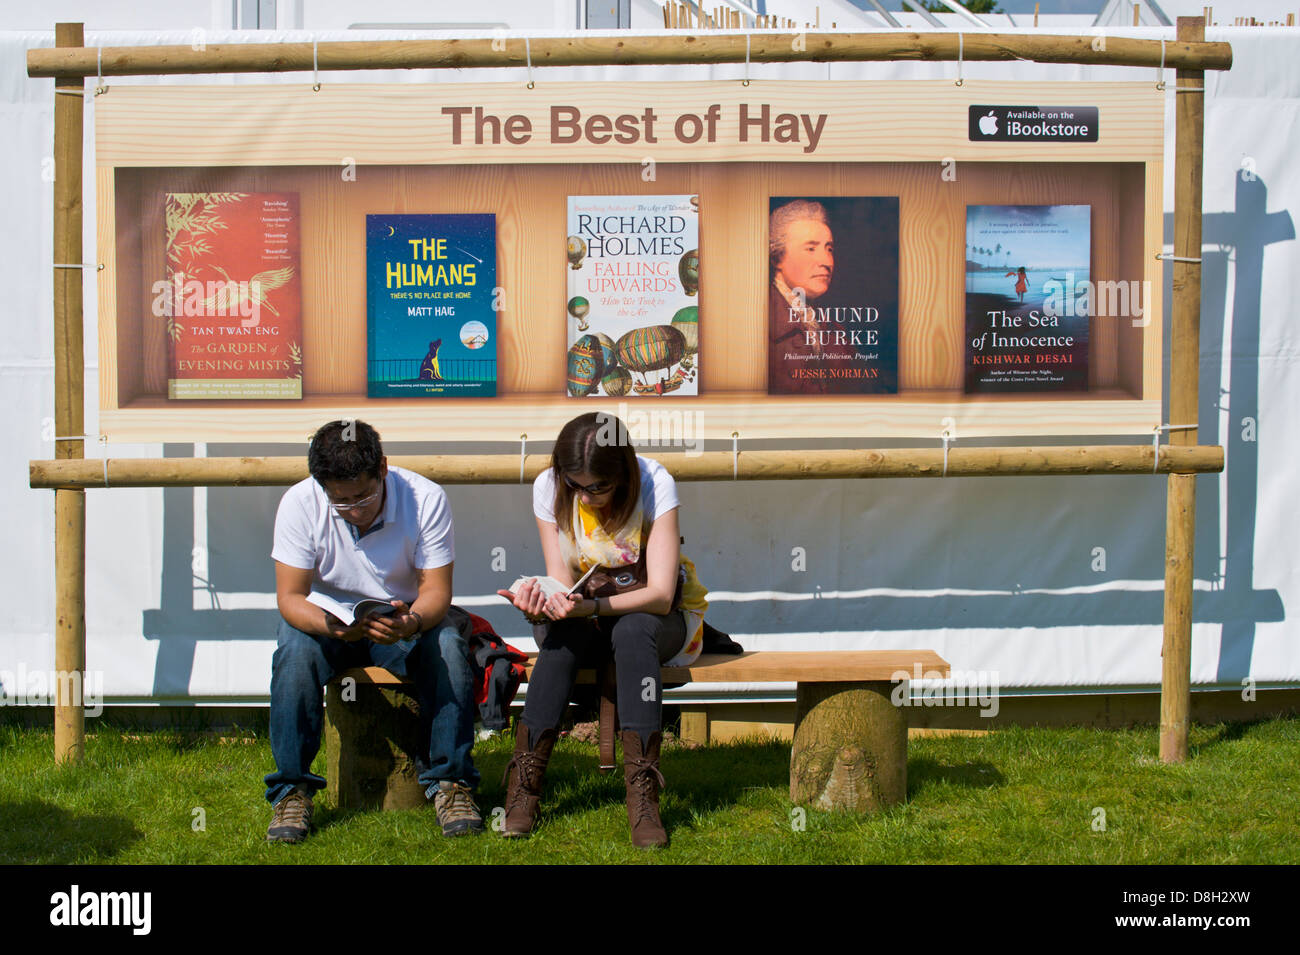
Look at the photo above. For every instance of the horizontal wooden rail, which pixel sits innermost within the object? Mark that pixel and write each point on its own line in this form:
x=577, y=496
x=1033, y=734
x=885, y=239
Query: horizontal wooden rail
x=758, y=47
x=711, y=466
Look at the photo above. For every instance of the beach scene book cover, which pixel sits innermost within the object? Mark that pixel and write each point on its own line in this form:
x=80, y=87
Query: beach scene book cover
x=1028, y=269
x=832, y=295
x=430, y=291
x=632, y=308
x=232, y=300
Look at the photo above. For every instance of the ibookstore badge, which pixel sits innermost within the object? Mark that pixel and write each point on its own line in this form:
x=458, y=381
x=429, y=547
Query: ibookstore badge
x=1034, y=124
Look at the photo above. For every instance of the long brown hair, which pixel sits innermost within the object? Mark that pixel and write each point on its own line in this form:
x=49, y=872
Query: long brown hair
x=597, y=443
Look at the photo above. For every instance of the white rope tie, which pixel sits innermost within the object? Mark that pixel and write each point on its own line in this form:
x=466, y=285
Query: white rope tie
x=528, y=57
x=97, y=266
x=745, y=81
x=315, y=67
x=961, y=50
x=946, y=435
x=1195, y=260
x=99, y=80
x=523, y=449
x=1155, y=440
x=1160, y=74
x=735, y=455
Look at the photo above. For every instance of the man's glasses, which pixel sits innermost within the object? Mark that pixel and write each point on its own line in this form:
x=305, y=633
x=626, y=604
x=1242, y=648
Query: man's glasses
x=592, y=489
x=357, y=505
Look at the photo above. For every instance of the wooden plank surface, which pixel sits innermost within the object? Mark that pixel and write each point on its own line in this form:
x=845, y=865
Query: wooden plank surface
x=768, y=666
x=406, y=124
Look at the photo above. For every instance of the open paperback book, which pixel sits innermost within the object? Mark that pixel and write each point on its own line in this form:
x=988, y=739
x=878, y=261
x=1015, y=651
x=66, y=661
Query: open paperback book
x=350, y=613
x=550, y=586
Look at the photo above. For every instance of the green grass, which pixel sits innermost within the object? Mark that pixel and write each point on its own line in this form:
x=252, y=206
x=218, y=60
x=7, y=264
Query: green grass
x=1015, y=795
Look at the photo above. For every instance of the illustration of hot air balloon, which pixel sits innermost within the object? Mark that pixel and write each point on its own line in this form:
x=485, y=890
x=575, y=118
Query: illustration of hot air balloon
x=608, y=350
x=687, y=321
x=586, y=366
x=617, y=382
x=688, y=268
x=578, y=308
x=577, y=251
x=650, y=354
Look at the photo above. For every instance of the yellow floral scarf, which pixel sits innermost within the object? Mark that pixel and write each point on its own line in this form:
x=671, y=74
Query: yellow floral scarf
x=588, y=544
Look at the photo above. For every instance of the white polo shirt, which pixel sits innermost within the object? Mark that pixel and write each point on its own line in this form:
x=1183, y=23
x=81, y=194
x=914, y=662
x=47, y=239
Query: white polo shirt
x=412, y=533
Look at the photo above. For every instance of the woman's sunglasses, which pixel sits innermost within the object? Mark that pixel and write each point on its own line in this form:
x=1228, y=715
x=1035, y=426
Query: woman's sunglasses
x=592, y=489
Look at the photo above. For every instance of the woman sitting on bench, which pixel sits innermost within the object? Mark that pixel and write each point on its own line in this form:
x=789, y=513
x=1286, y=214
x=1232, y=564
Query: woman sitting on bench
x=600, y=504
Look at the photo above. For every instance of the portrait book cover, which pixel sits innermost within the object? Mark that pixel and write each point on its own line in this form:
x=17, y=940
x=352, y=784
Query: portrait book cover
x=431, y=299
x=1027, y=298
x=232, y=300
x=632, y=303
x=832, y=294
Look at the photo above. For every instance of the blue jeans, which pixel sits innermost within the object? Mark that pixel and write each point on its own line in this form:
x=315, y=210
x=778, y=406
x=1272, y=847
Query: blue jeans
x=437, y=660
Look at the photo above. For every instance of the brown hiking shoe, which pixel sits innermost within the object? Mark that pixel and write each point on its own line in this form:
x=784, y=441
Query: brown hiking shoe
x=454, y=804
x=643, y=779
x=525, y=790
x=292, y=819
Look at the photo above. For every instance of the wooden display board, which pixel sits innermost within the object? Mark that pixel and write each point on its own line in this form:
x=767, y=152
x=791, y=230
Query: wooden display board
x=352, y=150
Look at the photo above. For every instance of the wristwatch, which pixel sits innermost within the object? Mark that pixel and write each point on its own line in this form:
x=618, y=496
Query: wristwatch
x=595, y=614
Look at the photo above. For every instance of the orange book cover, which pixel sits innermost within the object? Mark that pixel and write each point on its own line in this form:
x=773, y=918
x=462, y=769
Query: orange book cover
x=234, y=295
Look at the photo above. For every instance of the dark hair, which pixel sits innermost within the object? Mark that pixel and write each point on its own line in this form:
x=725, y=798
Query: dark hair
x=597, y=443
x=344, y=450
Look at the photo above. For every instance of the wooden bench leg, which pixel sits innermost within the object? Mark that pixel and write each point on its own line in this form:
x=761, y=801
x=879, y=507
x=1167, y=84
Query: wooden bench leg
x=371, y=744
x=850, y=747
x=607, y=721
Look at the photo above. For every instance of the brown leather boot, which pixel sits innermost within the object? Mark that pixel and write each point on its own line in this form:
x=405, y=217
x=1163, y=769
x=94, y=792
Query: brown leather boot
x=525, y=789
x=643, y=779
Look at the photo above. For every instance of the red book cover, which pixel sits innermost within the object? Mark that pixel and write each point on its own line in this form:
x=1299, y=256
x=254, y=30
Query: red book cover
x=233, y=301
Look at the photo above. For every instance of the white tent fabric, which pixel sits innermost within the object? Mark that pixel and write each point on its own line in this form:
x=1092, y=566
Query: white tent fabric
x=1048, y=582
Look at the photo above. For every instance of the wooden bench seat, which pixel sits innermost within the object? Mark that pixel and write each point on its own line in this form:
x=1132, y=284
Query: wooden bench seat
x=849, y=749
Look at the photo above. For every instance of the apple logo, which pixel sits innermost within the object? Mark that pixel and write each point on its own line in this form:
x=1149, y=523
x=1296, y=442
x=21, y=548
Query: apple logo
x=989, y=124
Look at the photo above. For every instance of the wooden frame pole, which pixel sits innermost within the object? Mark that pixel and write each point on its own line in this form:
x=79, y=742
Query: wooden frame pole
x=710, y=466
x=629, y=50
x=1184, y=383
x=69, y=412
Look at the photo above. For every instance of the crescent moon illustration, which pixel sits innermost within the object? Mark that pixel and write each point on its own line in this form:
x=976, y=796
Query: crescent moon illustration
x=390, y=231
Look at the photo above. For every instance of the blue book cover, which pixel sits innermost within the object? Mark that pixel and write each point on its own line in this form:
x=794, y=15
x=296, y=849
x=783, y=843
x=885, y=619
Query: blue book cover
x=430, y=283
x=1028, y=275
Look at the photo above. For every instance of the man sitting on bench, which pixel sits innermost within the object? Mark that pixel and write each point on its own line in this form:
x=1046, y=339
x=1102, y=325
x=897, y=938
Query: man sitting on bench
x=359, y=529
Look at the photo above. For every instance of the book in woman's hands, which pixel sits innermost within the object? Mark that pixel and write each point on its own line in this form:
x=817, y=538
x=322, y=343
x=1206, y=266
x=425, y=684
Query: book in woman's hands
x=549, y=586
x=350, y=613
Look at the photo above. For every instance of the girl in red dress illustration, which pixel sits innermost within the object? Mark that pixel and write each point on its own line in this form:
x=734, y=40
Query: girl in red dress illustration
x=1022, y=283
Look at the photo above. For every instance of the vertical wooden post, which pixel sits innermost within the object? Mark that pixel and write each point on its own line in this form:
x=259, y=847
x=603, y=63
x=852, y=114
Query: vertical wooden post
x=69, y=413
x=1184, y=367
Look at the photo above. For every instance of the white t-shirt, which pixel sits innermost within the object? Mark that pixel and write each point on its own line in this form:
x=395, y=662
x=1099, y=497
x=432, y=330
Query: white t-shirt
x=416, y=533
x=658, y=492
